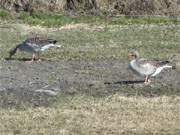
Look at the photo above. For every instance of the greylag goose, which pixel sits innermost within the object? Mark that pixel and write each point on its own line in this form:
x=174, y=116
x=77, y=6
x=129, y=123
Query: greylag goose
x=34, y=46
x=147, y=68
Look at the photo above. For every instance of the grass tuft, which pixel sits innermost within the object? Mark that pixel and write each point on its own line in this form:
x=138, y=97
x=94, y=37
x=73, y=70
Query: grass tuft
x=4, y=15
x=56, y=20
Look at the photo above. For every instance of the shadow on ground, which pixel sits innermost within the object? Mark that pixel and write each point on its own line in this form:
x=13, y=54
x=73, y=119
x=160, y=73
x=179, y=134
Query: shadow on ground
x=38, y=84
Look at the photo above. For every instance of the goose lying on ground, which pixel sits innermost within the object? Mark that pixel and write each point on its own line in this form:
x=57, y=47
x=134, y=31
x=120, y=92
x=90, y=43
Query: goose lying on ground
x=34, y=46
x=146, y=67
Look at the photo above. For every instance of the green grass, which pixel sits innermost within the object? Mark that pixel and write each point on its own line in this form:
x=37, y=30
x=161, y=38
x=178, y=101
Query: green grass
x=55, y=20
x=113, y=42
x=144, y=20
x=59, y=20
x=5, y=15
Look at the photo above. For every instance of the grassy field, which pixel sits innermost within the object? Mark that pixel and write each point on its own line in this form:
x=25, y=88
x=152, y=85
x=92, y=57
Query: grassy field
x=56, y=20
x=83, y=114
x=98, y=42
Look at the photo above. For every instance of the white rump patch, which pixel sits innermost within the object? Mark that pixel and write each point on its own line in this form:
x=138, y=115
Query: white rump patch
x=158, y=70
x=46, y=47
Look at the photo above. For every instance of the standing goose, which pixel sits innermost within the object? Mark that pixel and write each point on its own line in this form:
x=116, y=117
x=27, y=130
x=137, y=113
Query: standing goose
x=146, y=67
x=34, y=46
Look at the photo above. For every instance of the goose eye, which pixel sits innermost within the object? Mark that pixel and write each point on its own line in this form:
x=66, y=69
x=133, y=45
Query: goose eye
x=131, y=55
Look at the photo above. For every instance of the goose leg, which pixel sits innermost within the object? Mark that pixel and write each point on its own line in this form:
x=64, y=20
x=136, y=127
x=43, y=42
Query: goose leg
x=38, y=57
x=147, y=80
x=32, y=59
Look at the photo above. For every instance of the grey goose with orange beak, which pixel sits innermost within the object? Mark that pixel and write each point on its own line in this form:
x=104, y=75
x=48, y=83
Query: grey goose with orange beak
x=34, y=46
x=147, y=68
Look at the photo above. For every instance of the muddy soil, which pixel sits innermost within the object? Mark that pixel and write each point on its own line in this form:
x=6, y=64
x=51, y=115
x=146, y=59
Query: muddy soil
x=95, y=78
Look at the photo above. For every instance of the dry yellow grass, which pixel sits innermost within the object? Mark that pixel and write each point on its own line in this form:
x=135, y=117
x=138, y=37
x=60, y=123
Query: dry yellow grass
x=111, y=115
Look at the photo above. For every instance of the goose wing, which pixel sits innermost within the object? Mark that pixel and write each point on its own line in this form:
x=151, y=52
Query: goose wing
x=40, y=41
x=37, y=43
x=153, y=63
x=150, y=66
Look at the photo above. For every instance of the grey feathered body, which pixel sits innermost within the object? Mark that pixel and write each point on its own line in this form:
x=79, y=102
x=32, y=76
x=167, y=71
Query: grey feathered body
x=34, y=45
x=145, y=67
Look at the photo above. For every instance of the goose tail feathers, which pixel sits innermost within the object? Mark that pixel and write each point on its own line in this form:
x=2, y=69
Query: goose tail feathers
x=173, y=67
x=168, y=64
x=52, y=41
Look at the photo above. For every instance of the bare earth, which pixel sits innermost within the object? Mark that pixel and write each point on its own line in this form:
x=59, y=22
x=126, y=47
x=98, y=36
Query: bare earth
x=96, y=78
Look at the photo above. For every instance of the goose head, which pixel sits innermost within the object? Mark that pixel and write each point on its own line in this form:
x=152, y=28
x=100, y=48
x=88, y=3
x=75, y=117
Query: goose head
x=133, y=55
